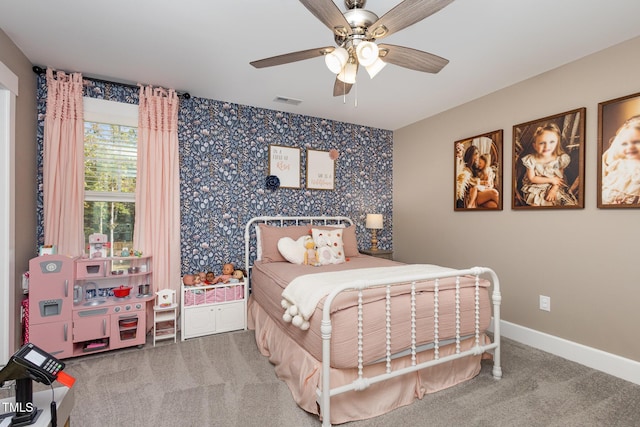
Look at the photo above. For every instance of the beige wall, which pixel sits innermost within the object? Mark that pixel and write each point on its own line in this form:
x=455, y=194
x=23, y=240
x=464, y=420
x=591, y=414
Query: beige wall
x=25, y=165
x=585, y=260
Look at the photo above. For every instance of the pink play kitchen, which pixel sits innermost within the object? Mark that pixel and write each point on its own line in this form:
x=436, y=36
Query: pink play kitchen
x=86, y=305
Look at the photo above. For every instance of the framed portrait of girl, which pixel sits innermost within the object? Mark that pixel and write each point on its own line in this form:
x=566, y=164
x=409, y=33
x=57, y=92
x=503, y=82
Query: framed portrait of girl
x=548, y=162
x=619, y=152
x=478, y=172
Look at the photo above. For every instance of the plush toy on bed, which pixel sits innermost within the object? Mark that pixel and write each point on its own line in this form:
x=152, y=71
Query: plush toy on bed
x=310, y=254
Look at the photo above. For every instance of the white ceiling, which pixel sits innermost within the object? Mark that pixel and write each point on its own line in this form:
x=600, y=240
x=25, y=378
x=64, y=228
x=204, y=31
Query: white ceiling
x=204, y=47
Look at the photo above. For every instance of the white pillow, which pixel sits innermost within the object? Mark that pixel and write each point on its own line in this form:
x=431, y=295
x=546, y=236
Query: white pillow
x=292, y=250
x=329, y=246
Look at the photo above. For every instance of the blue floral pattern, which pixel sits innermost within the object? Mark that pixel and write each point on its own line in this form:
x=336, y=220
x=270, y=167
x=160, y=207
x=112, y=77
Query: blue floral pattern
x=224, y=161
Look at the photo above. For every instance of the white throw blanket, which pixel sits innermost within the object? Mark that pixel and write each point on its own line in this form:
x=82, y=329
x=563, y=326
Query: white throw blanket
x=302, y=295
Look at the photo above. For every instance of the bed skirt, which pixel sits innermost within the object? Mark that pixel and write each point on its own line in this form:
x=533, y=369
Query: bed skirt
x=302, y=373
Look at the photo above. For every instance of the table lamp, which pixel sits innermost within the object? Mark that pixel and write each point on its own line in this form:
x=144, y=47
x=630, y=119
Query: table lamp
x=374, y=223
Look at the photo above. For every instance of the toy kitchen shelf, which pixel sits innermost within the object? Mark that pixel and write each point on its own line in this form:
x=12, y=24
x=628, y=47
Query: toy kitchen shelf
x=116, y=269
x=73, y=309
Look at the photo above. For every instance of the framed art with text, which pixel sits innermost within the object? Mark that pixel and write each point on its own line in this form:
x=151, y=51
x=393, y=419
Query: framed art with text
x=284, y=162
x=619, y=152
x=548, y=162
x=478, y=172
x=321, y=170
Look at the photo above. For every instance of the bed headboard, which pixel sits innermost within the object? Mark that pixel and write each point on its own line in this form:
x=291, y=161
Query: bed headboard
x=250, y=234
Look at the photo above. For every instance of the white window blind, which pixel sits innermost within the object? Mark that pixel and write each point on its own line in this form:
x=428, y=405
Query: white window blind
x=110, y=150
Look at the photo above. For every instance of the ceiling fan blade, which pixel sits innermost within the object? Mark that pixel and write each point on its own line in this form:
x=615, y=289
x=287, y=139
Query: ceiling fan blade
x=411, y=58
x=403, y=15
x=292, y=57
x=341, y=88
x=329, y=14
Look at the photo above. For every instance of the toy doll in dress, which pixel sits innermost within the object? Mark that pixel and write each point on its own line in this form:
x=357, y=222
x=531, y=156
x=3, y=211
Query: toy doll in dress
x=210, y=276
x=621, y=166
x=191, y=280
x=310, y=254
x=237, y=276
x=544, y=181
x=227, y=272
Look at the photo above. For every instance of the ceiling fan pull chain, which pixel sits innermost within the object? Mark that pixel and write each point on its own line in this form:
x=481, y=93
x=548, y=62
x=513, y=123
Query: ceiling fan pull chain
x=355, y=102
x=344, y=93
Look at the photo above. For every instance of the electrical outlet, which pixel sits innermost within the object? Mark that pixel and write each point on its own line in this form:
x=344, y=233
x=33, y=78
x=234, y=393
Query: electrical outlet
x=545, y=303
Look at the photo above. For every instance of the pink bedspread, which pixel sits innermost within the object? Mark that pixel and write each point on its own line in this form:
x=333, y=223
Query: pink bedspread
x=302, y=373
x=270, y=279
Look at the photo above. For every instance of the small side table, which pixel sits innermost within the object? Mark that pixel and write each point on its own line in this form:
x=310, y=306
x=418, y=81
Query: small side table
x=379, y=253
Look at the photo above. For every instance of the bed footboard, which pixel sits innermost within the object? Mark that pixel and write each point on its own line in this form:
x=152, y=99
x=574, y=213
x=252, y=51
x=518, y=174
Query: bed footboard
x=363, y=381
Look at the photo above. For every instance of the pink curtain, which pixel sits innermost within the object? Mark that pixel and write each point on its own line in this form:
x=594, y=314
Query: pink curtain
x=157, y=223
x=63, y=168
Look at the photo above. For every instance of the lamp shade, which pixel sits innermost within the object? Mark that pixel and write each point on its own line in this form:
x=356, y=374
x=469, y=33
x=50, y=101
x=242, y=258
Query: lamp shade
x=375, y=68
x=367, y=53
x=348, y=73
x=336, y=60
x=374, y=221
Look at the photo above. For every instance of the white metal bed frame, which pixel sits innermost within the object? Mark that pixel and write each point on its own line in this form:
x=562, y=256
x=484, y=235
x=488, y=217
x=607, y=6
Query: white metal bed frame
x=362, y=382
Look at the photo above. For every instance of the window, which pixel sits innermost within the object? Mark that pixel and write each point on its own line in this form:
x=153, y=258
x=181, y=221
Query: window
x=110, y=156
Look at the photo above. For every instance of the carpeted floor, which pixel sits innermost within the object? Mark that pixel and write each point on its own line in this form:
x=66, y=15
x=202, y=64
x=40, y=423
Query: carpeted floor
x=222, y=380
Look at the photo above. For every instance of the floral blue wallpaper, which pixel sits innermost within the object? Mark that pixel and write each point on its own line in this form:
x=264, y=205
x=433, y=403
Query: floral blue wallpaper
x=224, y=159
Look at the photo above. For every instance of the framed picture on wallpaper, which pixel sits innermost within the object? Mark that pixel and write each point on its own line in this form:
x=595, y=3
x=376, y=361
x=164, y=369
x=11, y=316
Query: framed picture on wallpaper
x=548, y=162
x=321, y=170
x=284, y=162
x=619, y=152
x=478, y=172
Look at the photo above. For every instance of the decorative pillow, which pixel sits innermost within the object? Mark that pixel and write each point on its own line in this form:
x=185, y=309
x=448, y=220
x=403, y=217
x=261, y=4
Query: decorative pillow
x=292, y=250
x=329, y=245
x=269, y=237
x=349, y=238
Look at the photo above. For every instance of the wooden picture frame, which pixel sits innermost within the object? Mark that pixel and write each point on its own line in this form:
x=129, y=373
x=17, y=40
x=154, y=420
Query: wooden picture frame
x=321, y=170
x=475, y=189
x=619, y=152
x=284, y=162
x=565, y=132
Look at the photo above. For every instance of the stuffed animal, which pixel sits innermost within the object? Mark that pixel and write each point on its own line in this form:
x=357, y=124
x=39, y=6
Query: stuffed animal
x=310, y=254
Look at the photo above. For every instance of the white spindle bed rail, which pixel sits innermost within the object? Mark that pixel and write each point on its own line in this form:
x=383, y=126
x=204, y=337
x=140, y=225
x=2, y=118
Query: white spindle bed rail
x=325, y=392
x=362, y=382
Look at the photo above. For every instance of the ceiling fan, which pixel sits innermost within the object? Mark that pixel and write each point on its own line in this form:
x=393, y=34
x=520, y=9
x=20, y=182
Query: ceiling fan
x=355, y=32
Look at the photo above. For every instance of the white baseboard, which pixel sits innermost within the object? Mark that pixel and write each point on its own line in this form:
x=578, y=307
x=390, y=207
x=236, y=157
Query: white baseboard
x=611, y=364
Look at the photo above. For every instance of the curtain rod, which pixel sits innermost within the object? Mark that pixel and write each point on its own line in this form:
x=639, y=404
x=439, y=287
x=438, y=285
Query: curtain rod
x=40, y=70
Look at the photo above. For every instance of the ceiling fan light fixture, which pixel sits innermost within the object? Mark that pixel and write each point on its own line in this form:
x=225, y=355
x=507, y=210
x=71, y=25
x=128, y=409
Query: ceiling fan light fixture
x=336, y=60
x=348, y=73
x=376, y=67
x=367, y=53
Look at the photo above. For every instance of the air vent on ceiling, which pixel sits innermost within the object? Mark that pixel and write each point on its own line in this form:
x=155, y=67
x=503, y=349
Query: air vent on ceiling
x=290, y=101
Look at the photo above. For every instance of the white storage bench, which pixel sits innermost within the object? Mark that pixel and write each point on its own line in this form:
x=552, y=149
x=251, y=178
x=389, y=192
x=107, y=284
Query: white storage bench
x=212, y=309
